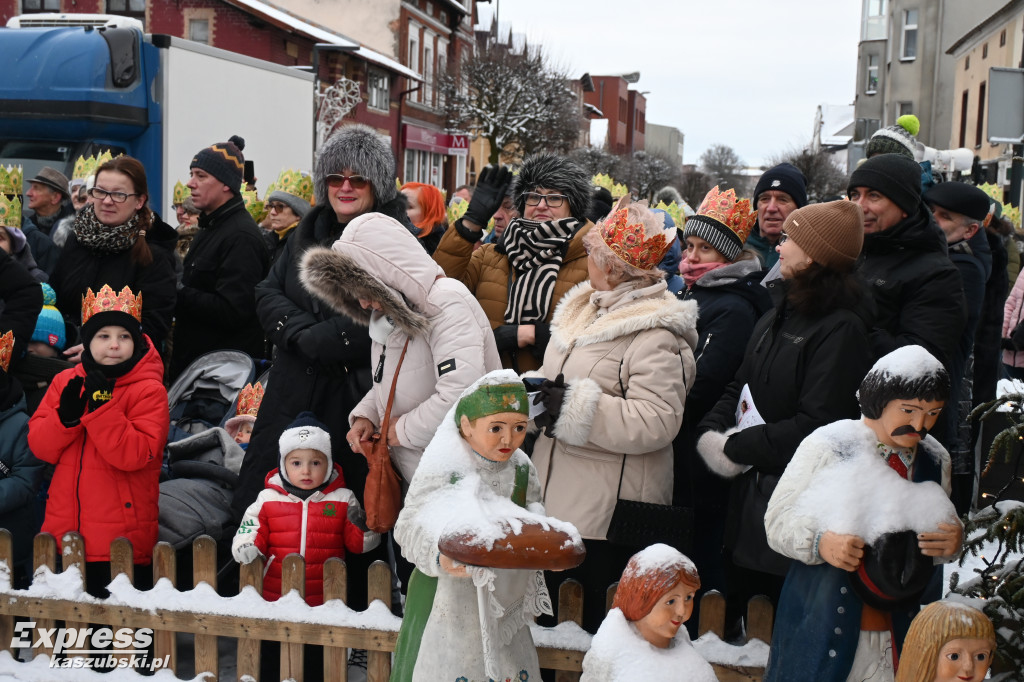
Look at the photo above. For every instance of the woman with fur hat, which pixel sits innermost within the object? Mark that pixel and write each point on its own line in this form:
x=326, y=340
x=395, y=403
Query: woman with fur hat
x=616, y=375
x=802, y=366
x=520, y=281
x=322, y=357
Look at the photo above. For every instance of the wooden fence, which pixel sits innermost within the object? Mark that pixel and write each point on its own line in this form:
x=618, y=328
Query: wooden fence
x=249, y=630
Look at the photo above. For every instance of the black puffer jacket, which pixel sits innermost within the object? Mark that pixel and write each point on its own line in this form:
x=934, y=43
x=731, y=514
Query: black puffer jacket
x=322, y=361
x=916, y=289
x=803, y=373
x=79, y=269
x=216, y=306
x=21, y=299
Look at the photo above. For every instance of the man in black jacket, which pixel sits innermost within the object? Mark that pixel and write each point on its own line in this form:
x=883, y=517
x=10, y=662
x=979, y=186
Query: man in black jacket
x=916, y=289
x=216, y=306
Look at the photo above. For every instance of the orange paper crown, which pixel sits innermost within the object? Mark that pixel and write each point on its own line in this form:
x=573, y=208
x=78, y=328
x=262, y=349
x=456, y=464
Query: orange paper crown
x=249, y=399
x=107, y=301
x=736, y=214
x=6, y=350
x=627, y=241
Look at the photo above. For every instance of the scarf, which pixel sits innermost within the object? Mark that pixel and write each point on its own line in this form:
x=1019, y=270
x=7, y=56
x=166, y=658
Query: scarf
x=692, y=272
x=624, y=293
x=535, y=250
x=102, y=239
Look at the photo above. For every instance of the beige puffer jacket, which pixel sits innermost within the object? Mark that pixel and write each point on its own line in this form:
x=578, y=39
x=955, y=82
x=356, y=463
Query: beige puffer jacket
x=645, y=350
x=451, y=344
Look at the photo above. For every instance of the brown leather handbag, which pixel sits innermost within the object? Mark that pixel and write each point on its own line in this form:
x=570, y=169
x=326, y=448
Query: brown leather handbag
x=382, y=495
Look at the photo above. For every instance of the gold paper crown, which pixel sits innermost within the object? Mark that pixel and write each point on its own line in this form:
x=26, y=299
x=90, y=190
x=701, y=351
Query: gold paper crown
x=12, y=180
x=181, y=192
x=295, y=182
x=85, y=167
x=249, y=399
x=10, y=211
x=617, y=189
x=736, y=214
x=253, y=204
x=107, y=301
x=676, y=211
x=6, y=350
x=626, y=240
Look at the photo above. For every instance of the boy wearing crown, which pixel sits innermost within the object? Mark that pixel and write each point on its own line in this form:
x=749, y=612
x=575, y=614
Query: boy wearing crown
x=103, y=425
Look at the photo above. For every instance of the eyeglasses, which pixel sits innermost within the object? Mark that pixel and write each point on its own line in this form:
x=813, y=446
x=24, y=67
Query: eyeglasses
x=337, y=181
x=276, y=206
x=783, y=237
x=552, y=200
x=117, y=197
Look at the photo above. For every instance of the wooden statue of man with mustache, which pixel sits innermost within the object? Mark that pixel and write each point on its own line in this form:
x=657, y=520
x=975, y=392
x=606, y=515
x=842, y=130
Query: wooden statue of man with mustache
x=864, y=509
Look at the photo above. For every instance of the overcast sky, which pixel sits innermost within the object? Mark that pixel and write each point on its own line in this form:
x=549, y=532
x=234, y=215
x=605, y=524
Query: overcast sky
x=747, y=73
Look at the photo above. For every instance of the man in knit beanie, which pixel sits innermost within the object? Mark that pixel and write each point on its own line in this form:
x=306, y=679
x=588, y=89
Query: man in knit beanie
x=896, y=139
x=216, y=306
x=917, y=291
x=778, y=192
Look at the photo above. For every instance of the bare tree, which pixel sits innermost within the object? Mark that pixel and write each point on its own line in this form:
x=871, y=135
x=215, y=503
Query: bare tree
x=722, y=165
x=824, y=177
x=694, y=185
x=513, y=100
x=649, y=172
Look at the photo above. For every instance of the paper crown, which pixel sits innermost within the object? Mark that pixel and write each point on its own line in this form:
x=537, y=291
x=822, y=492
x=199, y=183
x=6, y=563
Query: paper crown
x=181, y=192
x=617, y=189
x=85, y=167
x=107, y=301
x=6, y=350
x=726, y=208
x=676, y=211
x=10, y=211
x=294, y=182
x=12, y=180
x=627, y=241
x=253, y=204
x=249, y=399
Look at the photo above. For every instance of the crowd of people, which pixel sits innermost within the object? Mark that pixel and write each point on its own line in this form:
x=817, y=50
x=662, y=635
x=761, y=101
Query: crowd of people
x=675, y=365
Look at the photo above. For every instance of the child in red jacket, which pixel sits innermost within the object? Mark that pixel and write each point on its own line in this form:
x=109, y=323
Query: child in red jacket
x=103, y=424
x=305, y=509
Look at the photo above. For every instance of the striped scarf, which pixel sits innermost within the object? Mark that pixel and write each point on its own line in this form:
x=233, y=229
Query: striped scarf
x=535, y=250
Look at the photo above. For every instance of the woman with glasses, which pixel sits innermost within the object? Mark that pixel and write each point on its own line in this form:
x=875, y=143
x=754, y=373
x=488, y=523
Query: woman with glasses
x=322, y=358
x=519, y=281
x=117, y=239
x=803, y=364
x=284, y=210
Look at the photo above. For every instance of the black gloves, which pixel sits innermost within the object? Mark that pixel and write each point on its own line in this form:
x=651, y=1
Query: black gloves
x=490, y=191
x=551, y=394
x=98, y=389
x=72, y=402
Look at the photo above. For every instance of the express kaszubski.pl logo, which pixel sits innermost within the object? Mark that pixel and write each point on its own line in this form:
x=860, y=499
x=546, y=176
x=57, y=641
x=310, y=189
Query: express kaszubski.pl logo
x=109, y=648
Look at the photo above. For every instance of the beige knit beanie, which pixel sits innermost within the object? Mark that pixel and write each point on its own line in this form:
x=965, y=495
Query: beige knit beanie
x=831, y=233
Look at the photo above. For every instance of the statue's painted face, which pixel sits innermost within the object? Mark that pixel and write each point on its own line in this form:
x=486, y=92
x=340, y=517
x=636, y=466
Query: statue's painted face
x=496, y=436
x=673, y=609
x=905, y=422
x=964, y=660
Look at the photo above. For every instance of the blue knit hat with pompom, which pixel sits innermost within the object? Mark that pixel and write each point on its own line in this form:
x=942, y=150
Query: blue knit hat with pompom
x=50, y=323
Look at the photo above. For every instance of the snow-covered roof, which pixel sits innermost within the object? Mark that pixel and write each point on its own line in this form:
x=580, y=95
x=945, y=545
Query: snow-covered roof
x=286, y=19
x=387, y=62
x=594, y=110
x=837, y=122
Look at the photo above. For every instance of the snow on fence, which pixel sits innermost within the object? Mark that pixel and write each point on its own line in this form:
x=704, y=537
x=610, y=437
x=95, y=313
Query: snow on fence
x=202, y=612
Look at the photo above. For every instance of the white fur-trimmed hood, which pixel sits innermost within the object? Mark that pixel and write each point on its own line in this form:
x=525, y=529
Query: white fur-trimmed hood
x=576, y=319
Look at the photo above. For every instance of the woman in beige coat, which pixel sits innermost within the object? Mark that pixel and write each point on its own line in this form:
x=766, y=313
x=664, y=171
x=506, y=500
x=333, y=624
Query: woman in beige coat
x=617, y=370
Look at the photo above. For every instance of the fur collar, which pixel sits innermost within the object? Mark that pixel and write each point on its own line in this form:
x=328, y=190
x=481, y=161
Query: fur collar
x=576, y=320
x=337, y=279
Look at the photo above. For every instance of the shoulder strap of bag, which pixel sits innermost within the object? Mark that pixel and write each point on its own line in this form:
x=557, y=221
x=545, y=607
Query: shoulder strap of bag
x=386, y=422
x=522, y=480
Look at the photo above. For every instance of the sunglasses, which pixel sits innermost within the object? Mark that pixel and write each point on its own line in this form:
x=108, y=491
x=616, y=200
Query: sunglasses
x=276, y=206
x=335, y=181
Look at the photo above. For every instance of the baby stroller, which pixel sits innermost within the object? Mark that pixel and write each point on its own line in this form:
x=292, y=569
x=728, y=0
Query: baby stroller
x=203, y=396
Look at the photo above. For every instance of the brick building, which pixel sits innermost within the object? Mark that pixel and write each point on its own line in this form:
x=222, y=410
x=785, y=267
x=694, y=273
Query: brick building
x=625, y=110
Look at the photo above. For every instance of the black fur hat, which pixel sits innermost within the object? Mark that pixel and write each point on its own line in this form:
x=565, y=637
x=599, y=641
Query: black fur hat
x=362, y=149
x=554, y=172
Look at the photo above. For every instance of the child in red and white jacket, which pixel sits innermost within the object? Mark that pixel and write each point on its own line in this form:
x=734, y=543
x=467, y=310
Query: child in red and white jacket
x=304, y=509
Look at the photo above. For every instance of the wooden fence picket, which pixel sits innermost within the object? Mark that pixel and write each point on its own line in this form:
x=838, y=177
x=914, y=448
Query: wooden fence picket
x=204, y=570
x=335, y=587
x=293, y=578
x=248, y=661
x=165, y=565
